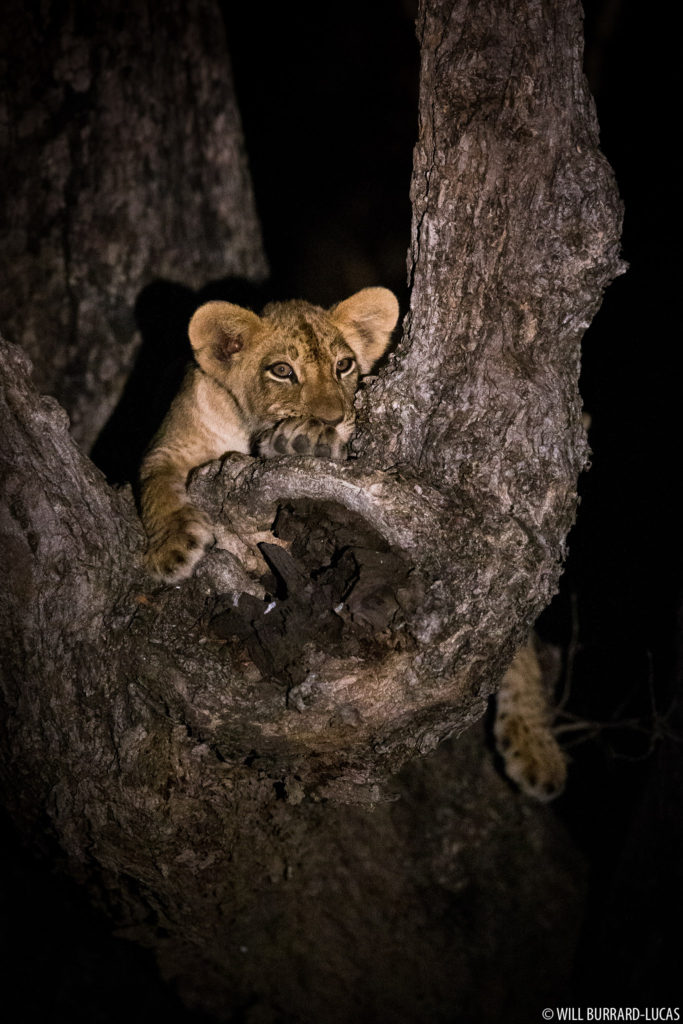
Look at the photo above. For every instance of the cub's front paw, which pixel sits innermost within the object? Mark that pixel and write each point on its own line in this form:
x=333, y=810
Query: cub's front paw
x=176, y=547
x=531, y=755
x=301, y=437
x=522, y=729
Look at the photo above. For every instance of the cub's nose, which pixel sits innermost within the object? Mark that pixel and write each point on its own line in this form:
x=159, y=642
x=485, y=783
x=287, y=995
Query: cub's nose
x=331, y=417
x=328, y=408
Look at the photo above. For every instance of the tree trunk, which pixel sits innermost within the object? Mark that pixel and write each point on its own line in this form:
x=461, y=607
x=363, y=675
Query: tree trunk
x=124, y=163
x=203, y=753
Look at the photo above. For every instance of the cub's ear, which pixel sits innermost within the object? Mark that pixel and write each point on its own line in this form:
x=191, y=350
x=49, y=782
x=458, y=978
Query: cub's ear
x=217, y=331
x=366, y=320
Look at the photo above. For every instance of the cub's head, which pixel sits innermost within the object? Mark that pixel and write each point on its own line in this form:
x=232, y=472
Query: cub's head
x=295, y=360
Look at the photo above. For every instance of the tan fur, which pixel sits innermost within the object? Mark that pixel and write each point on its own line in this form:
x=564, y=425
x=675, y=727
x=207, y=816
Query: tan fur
x=524, y=739
x=236, y=399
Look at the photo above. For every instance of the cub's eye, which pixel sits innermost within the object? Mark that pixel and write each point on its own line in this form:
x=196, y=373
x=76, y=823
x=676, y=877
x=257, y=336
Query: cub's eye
x=283, y=371
x=345, y=366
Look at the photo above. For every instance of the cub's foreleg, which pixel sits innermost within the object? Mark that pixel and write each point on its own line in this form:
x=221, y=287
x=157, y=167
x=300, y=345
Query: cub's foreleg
x=178, y=534
x=524, y=738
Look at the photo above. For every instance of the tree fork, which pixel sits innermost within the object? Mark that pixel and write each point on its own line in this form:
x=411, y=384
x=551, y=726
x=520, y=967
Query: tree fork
x=136, y=722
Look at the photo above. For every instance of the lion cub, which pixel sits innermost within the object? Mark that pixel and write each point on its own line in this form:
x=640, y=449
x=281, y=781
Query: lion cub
x=280, y=383
x=284, y=383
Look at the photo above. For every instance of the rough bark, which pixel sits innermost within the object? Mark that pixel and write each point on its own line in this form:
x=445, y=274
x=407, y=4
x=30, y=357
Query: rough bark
x=123, y=163
x=213, y=721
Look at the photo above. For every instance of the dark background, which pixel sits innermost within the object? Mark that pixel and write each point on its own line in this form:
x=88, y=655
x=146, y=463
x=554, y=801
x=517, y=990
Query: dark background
x=328, y=95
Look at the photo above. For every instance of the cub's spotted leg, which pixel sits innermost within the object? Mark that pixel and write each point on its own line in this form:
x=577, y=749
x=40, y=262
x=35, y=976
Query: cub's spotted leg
x=178, y=534
x=301, y=436
x=524, y=739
